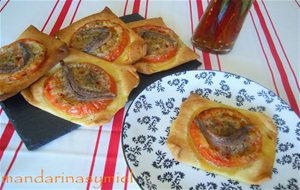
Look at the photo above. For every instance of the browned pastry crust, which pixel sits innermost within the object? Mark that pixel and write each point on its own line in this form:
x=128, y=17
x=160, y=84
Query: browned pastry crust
x=134, y=50
x=124, y=76
x=183, y=54
x=55, y=51
x=178, y=142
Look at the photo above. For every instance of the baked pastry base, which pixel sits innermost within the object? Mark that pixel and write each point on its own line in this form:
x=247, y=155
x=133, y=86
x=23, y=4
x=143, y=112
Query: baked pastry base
x=135, y=49
x=183, y=54
x=183, y=151
x=55, y=51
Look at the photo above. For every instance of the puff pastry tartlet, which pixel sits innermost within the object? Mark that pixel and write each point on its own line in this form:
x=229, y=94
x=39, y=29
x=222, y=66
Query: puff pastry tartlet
x=105, y=36
x=27, y=59
x=164, y=48
x=229, y=141
x=83, y=89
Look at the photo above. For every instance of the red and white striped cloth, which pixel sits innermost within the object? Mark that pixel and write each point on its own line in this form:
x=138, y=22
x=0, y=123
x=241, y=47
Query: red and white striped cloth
x=267, y=51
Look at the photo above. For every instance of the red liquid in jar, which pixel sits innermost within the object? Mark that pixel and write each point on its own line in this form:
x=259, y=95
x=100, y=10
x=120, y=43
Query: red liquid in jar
x=220, y=25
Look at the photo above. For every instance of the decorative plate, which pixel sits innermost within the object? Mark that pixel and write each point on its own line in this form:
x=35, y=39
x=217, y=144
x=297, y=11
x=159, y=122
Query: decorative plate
x=148, y=120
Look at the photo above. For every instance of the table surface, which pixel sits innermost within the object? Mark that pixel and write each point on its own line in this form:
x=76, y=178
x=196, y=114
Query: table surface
x=267, y=51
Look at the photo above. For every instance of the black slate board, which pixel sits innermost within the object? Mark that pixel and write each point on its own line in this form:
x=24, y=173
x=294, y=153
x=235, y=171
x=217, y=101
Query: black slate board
x=37, y=128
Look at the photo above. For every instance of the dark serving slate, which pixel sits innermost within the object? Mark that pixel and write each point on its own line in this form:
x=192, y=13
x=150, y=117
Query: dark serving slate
x=37, y=128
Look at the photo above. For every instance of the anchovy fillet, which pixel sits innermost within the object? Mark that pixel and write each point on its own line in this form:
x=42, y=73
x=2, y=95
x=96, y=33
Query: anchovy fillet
x=233, y=144
x=103, y=35
x=147, y=34
x=81, y=93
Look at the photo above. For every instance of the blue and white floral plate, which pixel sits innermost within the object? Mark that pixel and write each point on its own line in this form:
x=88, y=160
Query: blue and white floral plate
x=148, y=119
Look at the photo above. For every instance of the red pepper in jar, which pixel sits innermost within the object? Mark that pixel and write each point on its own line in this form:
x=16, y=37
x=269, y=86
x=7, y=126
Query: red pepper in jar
x=220, y=25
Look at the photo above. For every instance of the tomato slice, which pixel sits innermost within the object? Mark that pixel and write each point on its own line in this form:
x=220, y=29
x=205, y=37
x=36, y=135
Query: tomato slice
x=167, y=51
x=221, y=117
x=118, y=50
x=56, y=93
x=111, y=49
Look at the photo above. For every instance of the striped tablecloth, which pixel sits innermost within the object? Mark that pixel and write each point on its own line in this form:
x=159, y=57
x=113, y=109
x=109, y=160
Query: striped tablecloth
x=267, y=51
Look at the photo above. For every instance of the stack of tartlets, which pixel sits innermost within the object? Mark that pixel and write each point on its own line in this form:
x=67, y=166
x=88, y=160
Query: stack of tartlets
x=87, y=72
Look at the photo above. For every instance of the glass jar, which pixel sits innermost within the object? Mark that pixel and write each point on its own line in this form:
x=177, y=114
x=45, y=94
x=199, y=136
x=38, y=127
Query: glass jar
x=220, y=25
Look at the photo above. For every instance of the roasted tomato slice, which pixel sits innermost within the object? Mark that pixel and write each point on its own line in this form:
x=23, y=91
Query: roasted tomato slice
x=21, y=58
x=162, y=43
x=101, y=38
x=80, y=100
x=228, y=140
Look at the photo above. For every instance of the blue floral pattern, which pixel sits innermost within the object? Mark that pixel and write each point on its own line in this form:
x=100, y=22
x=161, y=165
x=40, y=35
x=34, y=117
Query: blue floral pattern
x=205, y=186
x=204, y=92
x=283, y=147
x=293, y=160
x=297, y=131
x=228, y=75
x=292, y=185
x=210, y=174
x=162, y=140
x=258, y=109
x=231, y=185
x=268, y=96
x=145, y=142
x=224, y=90
x=162, y=161
x=146, y=181
x=179, y=83
x=207, y=76
x=151, y=122
x=173, y=178
x=281, y=124
x=255, y=187
x=126, y=126
x=141, y=103
x=243, y=96
x=167, y=106
x=148, y=120
x=157, y=85
x=282, y=106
